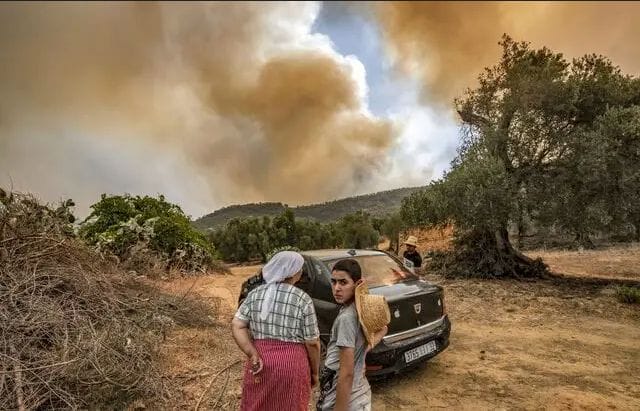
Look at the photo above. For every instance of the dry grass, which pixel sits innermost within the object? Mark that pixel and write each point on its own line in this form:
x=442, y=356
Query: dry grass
x=434, y=239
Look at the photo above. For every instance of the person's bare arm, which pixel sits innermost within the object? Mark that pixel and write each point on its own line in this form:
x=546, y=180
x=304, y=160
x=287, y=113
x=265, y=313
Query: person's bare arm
x=345, y=379
x=240, y=331
x=313, y=351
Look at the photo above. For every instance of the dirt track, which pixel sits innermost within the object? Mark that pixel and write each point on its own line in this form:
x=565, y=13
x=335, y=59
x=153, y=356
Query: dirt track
x=514, y=345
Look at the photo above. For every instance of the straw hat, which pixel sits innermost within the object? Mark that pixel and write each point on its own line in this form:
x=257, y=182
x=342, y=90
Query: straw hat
x=373, y=311
x=412, y=240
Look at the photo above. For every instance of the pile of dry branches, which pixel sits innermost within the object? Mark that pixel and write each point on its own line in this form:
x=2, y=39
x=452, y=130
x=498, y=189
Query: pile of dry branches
x=74, y=331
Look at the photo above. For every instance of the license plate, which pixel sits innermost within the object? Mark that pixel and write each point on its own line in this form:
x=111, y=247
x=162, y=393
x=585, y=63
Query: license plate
x=420, y=351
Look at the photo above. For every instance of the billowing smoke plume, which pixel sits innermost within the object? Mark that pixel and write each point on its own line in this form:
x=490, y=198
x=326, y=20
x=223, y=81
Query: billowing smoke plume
x=212, y=103
x=209, y=103
x=448, y=43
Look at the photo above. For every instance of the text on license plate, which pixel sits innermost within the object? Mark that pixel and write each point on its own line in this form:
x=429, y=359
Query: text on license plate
x=420, y=351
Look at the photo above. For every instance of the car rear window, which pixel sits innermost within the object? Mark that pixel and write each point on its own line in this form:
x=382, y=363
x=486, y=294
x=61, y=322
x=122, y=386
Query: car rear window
x=379, y=270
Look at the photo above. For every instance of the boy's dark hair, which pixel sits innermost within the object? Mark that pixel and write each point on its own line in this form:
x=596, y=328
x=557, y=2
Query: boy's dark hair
x=349, y=266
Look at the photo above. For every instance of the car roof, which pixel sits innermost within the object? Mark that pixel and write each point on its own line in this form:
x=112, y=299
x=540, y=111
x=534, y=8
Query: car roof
x=333, y=254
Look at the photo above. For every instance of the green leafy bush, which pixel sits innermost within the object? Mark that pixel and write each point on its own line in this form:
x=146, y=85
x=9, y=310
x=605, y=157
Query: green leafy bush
x=128, y=227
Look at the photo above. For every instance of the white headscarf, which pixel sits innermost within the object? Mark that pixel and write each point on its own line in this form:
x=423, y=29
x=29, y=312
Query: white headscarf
x=283, y=265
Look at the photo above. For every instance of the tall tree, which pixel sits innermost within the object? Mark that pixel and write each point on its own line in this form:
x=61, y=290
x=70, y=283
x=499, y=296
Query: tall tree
x=526, y=126
x=357, y=231
x=519, y=120
x=286, y=224
x=391, y=228
x=620, y=130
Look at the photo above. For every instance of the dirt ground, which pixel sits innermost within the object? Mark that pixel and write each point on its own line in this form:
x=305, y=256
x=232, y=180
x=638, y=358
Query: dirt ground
x=545, y=345
x=621, y=261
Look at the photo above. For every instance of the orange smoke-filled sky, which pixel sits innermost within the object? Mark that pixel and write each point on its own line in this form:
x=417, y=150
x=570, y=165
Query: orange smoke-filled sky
x=220, y=103
x=447, y=44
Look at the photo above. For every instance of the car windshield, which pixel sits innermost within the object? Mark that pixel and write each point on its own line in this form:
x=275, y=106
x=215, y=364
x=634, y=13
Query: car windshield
x=380, y=270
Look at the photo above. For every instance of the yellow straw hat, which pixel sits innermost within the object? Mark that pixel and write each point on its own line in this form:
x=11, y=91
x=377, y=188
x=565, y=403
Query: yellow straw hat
x=412, y=240
x=373, y=311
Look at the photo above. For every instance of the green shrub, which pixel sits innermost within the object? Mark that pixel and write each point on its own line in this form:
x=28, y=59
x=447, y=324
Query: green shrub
x=128, y=226
x=629, y=295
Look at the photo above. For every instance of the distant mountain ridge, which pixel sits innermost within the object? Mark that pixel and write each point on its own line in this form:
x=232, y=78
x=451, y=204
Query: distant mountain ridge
x=376, y=204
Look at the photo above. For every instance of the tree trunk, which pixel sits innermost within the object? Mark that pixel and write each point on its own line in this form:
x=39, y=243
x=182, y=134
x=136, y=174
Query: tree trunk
x=485, y=253
x=503, y=242
x=583, y=240
x=636, y=226
x=508, y=252
x=521, y=231
x=522, y=228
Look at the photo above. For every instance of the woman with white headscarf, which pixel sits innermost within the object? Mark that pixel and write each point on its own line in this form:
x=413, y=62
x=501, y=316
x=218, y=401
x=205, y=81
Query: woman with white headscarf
x=276, y=327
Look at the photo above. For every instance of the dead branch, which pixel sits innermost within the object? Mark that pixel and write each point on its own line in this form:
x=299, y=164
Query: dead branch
x=75, y=330
x=211, y=382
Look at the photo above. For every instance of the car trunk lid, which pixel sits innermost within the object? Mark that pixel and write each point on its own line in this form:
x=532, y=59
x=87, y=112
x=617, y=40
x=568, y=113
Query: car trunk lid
x=412, y=304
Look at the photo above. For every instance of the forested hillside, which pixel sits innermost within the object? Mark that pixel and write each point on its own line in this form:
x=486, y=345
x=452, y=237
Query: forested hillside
x=376, y=204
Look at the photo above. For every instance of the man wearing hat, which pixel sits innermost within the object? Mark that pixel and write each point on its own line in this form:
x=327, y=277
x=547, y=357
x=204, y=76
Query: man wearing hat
x=411, y=253
x=359, y=326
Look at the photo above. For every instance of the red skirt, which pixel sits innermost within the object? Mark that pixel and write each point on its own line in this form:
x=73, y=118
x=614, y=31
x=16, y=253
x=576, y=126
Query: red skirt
x=284, y=382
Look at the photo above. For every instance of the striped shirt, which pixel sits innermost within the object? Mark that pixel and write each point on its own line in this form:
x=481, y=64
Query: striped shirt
x=292, y=317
